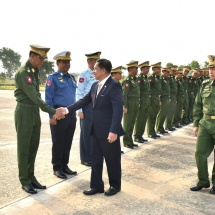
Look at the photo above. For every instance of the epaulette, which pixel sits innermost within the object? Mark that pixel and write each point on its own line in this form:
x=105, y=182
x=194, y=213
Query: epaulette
x=206, y=81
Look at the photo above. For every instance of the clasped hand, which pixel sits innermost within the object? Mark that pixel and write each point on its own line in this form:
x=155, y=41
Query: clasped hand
x=60, y=113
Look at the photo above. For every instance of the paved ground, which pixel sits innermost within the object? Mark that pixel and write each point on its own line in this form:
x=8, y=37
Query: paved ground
x=156, y=177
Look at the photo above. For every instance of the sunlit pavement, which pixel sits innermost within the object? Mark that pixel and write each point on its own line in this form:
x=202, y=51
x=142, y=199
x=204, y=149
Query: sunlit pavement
x=156, y=179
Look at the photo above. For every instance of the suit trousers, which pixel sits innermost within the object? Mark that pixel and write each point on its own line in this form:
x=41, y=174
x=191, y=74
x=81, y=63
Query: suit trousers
x=27, y=123
x=62, y=135
x=204, y=147
x=101, y=149
x=85, y=140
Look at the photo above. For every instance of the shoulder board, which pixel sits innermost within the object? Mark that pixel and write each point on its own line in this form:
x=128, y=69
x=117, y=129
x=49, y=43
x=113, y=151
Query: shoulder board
x=206, y=81
x=54, y=73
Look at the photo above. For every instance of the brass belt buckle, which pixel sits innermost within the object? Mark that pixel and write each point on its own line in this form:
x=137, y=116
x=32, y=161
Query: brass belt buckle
x=212, y=117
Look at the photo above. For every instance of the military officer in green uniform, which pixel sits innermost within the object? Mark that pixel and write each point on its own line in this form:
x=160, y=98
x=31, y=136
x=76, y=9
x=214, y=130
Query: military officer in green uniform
x=131, y=96
x=165, y=98
x=145, y=94
x=204, y=127
x=173, y=99
x=116, y=74
x=185, y=108
x=155, y=85
x=27, y=117
x=180, y=99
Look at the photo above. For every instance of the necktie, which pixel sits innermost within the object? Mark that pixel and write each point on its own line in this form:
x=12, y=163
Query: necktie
x=99, y=88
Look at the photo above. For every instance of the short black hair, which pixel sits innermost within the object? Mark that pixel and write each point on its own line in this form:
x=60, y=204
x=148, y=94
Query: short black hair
x=104, y=64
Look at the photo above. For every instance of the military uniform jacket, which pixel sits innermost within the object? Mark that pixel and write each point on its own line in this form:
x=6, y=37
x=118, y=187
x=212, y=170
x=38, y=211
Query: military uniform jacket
x=27, y=88
x=204, y=102
x=165, y=87
x=173, y=86
x=144, y=86
x=60, y=90
x=180, y=87
x=155, y=85
x=130, y=89
x=185, y=83
x=85, y=82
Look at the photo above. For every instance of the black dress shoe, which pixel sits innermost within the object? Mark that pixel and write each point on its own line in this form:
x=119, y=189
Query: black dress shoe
x=111, y=191
x=139, y=140
x=122, y=152
x=157, y=135
x=144, y=140
x=173, y=128
x=60, y=174
x=212, y=190
x=152, y=136
x=29, y=189
x=170, y=129
x=37, y=185
x=92, y=191
x=129, y=146
x=165, y=132
x=134, y=145
x=197, y=188
x=69, y=171
x=86, y=163
x=160, y=132
x=178, y=126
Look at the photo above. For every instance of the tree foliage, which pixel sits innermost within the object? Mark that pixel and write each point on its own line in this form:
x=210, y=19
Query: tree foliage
x=2, y=76
x=46, y=69
x=206, y=63
x=194, y=64
x=169, y=64
x=10, y=61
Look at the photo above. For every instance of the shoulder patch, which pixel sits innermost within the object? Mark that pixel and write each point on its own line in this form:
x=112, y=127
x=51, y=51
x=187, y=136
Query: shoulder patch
x=81, y=80
x=48, y=82
x=29, y=79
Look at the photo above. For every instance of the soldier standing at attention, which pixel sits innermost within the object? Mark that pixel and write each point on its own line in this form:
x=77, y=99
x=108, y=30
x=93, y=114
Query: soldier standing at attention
x=180, y=99
x=27, y=116
x=155, y=86
x=145, y=94
x=85, y=81
x=173, y=100
x=116, y=74
x=60, y=92
x=165, y=98
x=185, y=109
x=204, y=127
x=131, y=96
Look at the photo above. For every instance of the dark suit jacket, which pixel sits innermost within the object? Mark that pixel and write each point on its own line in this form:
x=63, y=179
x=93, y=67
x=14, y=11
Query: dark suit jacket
x=107, y=108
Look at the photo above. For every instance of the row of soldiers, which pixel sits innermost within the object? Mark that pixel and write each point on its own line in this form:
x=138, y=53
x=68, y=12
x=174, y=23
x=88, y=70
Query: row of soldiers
x=162, y=100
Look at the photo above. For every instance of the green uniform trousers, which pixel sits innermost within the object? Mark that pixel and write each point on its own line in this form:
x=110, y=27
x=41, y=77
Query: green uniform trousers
x=170, y=112
x=185, y=109
x=191, y=98
x=162, y=113
x=213, y=171
x=178, y=110
x=204, y=147
x=129, y=119
x=153, y=111
x=142, y=117
x=27, y=123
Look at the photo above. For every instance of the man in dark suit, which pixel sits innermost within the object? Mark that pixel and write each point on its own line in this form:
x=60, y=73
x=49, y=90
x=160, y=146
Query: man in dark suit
x=105, y=128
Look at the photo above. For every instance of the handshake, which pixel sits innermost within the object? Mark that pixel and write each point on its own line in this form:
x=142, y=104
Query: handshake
x=60, y=113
